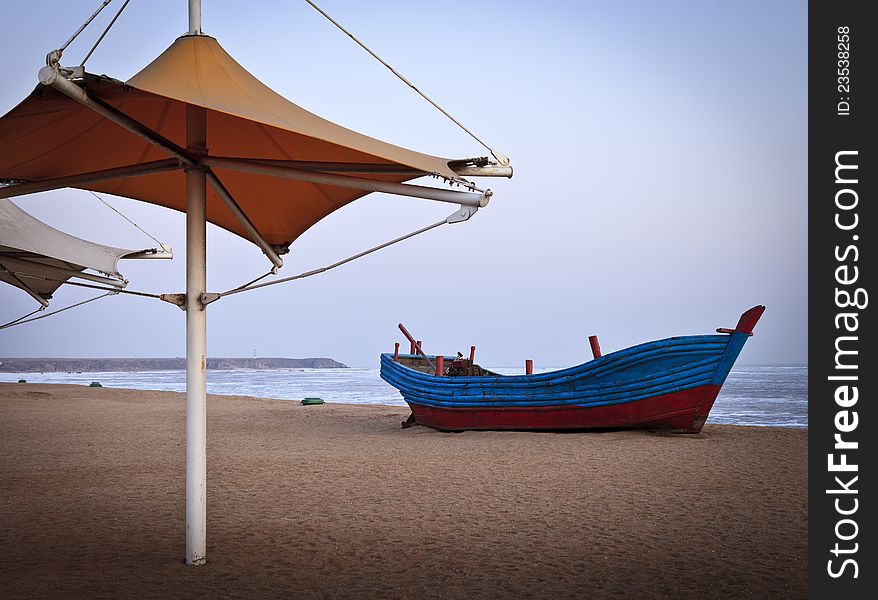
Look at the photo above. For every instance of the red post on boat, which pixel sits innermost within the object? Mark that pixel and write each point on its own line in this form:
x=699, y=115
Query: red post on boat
x=419, y=346
x=472, y=355
x=416, y=345
x=529, y=367
x=410, y=338
x=595, y=346
x=396, y=352
x=440, y=366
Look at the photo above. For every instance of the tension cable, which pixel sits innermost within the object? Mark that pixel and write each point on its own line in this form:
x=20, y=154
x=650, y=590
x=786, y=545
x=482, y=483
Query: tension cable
x=501, y=158
x=81, y=28
x=24, y=319
x=118, y=212
x=252, y=285
x=19, y=319
x=54, y=57
x=101, y=39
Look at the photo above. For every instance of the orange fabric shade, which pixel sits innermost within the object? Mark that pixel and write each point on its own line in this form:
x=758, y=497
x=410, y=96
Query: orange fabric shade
x=50, y=135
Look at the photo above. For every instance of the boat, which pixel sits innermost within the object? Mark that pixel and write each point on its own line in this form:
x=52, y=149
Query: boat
x=664, y=384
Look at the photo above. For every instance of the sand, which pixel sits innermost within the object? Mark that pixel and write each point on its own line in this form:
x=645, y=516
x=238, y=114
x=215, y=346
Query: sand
x=336, y=501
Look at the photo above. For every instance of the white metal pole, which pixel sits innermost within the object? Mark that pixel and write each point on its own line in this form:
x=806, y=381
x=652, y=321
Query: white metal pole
x=196, y=343
x=194, y=17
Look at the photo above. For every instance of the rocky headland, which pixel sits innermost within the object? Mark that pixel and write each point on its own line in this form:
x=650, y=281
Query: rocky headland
x=86, y=365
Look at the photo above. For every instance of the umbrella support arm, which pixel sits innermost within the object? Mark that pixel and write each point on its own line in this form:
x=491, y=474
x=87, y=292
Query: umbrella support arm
x=84, y=179
x=245, y=221
x=43, y=302
x=52, y=76
x=461, y=167
x=11, y=263
x=488, y=171
x=358, y=183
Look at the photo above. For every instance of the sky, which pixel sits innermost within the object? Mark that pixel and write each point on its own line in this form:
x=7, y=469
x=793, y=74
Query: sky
x=660, y=180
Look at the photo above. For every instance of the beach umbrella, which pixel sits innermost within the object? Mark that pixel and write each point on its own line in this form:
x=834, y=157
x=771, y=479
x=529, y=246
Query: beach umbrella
x=39, y=259
x=194, y=131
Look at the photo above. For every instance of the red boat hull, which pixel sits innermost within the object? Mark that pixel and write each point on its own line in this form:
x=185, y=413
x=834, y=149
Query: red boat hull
x=682, y=412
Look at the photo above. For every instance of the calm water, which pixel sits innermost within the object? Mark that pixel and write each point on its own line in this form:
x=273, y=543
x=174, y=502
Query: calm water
x=752, y=395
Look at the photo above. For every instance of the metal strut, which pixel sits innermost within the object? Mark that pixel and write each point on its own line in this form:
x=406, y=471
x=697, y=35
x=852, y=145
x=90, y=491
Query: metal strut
x=84, y=285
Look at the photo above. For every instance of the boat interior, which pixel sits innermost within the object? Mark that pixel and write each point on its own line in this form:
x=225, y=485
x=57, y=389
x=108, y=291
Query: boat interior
x=453, y=367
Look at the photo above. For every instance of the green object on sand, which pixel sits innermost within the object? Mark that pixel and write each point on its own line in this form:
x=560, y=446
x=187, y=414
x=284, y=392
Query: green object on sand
x=307, y=401
x=22, y=381
x=95, y=384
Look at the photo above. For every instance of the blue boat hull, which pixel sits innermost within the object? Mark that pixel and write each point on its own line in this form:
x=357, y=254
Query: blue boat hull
x=670, y=383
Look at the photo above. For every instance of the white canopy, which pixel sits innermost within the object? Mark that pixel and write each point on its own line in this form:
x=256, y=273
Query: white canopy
x=39, y=259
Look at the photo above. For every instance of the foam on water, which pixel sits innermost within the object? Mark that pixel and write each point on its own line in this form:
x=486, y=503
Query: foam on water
x=752, y=395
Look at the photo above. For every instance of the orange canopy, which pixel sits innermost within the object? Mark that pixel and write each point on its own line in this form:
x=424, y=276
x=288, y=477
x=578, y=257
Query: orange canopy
x=51, y=135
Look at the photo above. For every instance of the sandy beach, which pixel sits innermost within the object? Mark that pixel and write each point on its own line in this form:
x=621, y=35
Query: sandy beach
x=337, y=501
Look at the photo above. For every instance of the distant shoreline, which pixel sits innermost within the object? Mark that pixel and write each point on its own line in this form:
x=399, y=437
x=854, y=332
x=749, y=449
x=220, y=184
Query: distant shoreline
x=103, y=365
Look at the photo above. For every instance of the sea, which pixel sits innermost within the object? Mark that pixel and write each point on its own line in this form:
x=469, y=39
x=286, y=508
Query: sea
x=772, y=395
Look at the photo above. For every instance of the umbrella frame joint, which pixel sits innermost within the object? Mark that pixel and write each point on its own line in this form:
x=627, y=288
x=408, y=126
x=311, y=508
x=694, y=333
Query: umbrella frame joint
x=178, y=300
x=209, y=297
